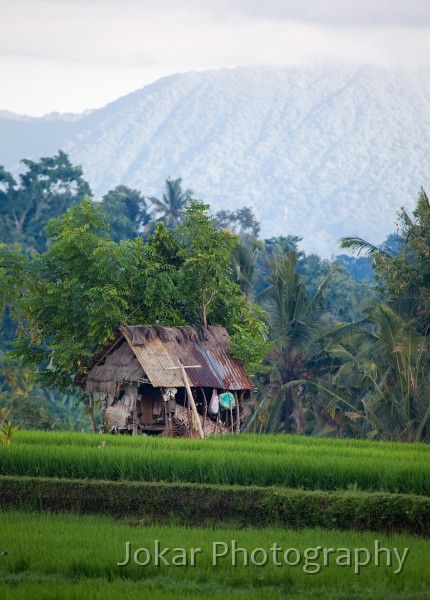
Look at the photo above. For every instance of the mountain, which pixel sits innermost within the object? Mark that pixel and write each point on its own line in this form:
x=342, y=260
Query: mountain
x=321, y=152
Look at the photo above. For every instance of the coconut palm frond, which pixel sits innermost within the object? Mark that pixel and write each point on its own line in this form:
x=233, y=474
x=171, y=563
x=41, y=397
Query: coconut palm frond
x=174, y=201
x=357, y=245
x=316, y=300
x=325, y=387
x=341, y=332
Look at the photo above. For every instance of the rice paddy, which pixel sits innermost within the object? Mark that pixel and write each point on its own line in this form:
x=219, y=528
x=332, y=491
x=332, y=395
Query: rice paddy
x=66, y=556
x=291, y=461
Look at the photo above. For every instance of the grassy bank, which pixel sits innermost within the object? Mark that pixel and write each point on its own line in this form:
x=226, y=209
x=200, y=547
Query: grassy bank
x=201, y=504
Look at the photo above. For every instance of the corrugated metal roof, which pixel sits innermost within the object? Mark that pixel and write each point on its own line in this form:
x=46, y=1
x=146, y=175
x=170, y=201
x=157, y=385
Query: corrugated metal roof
x=158, y=349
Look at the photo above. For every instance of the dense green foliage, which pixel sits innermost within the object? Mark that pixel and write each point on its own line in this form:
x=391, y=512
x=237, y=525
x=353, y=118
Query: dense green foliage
x=196, y=504
x=344, y=294
x=403, y=273
x=389, y=365
x=74, y=296
x=46, y=190
x=126, y=210
x=206, y=255
x=70, y=300
x=33, y=406
x=383, y=372
x=337, y=362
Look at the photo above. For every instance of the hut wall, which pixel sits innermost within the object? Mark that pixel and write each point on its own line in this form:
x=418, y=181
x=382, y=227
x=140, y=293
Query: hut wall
x=151, y=408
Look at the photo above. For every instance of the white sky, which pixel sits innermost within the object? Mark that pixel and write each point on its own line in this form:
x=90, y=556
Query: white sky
x=71, y=55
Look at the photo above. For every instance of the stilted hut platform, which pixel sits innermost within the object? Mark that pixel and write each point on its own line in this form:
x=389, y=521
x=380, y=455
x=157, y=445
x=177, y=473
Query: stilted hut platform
x=160, y=380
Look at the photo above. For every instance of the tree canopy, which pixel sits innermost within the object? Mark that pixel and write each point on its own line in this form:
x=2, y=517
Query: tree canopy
x=340, y=356
x=46, y=189
x=171, y=207
x=126, y=210
x=70, y=300
x=403, y=272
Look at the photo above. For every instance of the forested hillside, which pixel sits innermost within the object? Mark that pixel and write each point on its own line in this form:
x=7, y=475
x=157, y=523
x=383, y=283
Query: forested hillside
x=315, y=152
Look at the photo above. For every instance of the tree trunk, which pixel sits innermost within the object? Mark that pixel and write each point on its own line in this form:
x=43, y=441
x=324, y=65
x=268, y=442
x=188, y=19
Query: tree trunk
x=288, y=420
x=204, y=319
x=91, y=413
x=135, y=416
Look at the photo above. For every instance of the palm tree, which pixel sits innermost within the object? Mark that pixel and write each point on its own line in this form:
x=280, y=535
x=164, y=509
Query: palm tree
x=403, y=273
x=389, y=367
x=243, y=263
x=297, y=351
x=380, y=387
x=172, y=206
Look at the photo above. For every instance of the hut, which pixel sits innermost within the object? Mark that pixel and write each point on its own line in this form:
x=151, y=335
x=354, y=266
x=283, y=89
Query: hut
x=174, y=381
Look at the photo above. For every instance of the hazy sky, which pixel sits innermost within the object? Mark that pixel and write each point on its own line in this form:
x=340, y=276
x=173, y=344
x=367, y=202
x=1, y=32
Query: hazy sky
x=69, y=55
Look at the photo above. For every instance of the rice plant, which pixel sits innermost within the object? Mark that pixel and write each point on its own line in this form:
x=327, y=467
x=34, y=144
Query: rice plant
x=65, y=556
x=290, y=461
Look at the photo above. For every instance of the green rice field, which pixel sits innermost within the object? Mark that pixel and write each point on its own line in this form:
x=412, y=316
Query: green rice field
x=289, y=461
x=57, y=540
x=65, y=557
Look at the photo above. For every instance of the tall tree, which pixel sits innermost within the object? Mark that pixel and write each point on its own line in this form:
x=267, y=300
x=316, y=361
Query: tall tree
x=171, y=208
x=8, y=225
x=344, y=297
x=294, y=327
x=241, y=221
x=127, y=212
x=75, y=295
x=244, y=263
x=46, y=190
x=206, y=268
x=383, y=380
x=299, y=356
x=70, y=300
x=404, y=276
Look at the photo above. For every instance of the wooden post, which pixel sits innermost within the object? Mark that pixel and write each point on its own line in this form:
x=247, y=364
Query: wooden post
x=190, y=396
x=91, y=413
x=191, y=401
x=206, y=409
x=169, y=414
x=237, y=398
x=166, y=424
x=135, y=417
x=190, y=416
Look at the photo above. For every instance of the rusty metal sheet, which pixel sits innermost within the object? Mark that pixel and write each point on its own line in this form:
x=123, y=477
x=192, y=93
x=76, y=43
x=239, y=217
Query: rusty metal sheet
x=157, y=362
x=218, y=369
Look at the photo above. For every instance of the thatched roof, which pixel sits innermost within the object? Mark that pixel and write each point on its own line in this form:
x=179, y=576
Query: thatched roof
x=155, y=352
x=119, y=365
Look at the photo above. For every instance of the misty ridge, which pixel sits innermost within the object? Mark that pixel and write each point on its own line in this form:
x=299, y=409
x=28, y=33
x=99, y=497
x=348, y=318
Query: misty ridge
x=316, y=152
